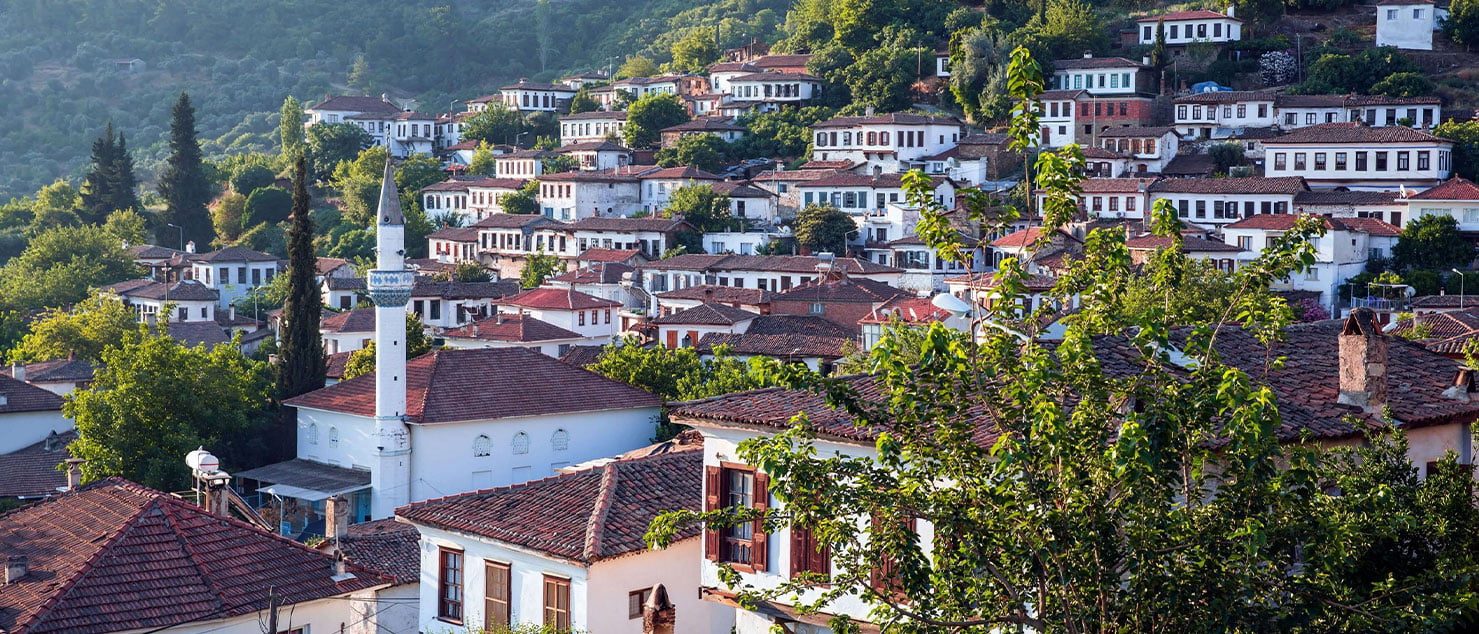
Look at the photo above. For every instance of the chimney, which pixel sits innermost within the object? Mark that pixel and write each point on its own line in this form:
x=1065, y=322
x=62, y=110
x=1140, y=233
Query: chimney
x=1363, y=362
x=74, y=472
x=16, y=566
x=336, y=518
x=1145, y=60
x=50, y=443
x=1230, y=12
x=474, y=329
x=1464, y=386
x=18, y=371
x=190, y=247
x=385, y=97
x=4, y=399
x=868, y=111
x=658, y=613
x=231, y=312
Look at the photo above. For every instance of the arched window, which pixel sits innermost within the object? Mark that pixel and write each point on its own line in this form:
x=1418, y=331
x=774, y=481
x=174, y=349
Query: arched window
x=333, y=436
x=313, y=433
x=482, y=446
x=521, y=443
x=560, y=441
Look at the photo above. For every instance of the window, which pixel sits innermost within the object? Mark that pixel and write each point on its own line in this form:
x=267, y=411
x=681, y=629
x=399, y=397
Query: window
x=1319, y=160
x=1145, y=34
x=1242, y=110
x=1290, y=118
x=1417, y=14
x=742, y=487
x=1391, y=14
x=1360, y=161
x=1279, y=161
x=1402, y=161
x=1340, y=162
x=449, y=586
x=1381, y=161
x=1174, y=29
x=818, y=308
x=521, y=443
x=1130, y=203
x=560, y=441
x=807, y=554
x=333, y=436
x=1201, y=31
x=1262, y=110
x=556, y=603
x=1422, y=160
x=1245, y=243
x=1309, y=118
x=635, y=600
x=497, y=586
x=1098, y=203
x=580, y=316
x=482, y=446
x=313, y=433
x=1181, y=112
x=241, y=275
x=1201, y=209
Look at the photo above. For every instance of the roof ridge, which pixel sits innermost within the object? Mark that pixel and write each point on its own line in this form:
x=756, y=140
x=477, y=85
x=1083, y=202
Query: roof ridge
x=56, y=597
x=192, y=557
x=605, y=493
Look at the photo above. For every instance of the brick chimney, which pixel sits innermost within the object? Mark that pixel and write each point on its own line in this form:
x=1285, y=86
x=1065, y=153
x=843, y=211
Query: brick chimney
x=74, y=473
x=336, y=517
x=1363, y=362
x=658, y=613
x=16, y=566
x=18, y=371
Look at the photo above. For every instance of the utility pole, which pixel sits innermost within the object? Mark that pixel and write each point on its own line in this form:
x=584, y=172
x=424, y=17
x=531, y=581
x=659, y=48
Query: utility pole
x=271, y=610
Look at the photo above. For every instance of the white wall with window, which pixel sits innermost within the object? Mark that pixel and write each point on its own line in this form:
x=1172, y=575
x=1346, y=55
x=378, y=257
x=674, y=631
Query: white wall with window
x=1361, y=166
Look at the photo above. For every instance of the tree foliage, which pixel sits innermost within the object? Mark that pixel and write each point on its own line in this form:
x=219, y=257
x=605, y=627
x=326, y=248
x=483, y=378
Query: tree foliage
x=1431, y=242
x=523, y=202
x=637, y=66
x=824, y=228
x=646, y=117
x=153, y=400
x=482, y=163
x=785, y=133
x=1462, y=24
x=250, y=178
x=268, y=204
x=183, y=184
x=681, y=374
x=1340, y=73
x=301, y=362
x=1404, y=84
x=60, y=265
x=537, y=266
x=693, y=53
x=702, y=207
x=291, y=140
x=1465, y=137
x=110, y=183
x=332, y=143
x=704, y=151
x=227, y=216
x=82, y=331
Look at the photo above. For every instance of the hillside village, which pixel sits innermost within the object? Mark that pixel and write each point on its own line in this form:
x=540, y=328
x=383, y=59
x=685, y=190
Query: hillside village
x=455, y=371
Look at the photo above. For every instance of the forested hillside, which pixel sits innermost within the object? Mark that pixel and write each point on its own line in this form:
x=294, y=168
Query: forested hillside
x=60, y=85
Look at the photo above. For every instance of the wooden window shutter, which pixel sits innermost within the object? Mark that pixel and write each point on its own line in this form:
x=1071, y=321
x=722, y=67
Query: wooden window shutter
x=759, y=553
x=807, y=554
x=713, y=490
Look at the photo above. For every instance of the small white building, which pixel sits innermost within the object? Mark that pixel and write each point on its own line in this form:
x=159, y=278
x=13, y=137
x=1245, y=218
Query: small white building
x=514, y=331
x=722, y=127
x=521, y=164
x=192, y=300
x=1188, y=27
x=1457, y=198
x=1149, y=149
x=347, y=331
x=28, y=413
x=593, y=318
x=865, y=195
x=884, y=143
x=597, y=125
x=749, y=202
x=658, y=185
x=600, y=155
x=338, y=109
x=567, y=552
x=1211, y=203
x=1220, y=114
x=1101, y=75
x=452, y=303
x=1407, y=24
x=570, y=196
x=1359, y=157
x=233, y=271
x=651, y=236
x=1339, y=254
x=775, y=88
x=684, y=328
x=527, y=96
x=453, y=244
x=1115, y=198
x=639, y=87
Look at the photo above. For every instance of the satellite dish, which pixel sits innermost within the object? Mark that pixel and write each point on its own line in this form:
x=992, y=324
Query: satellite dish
x=950, y=303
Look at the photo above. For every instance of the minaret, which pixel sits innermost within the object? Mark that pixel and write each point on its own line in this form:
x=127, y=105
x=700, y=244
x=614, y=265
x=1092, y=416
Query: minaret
x=390, y=288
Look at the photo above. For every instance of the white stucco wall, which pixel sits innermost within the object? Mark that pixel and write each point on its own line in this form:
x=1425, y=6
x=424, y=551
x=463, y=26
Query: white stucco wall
x=23, y=429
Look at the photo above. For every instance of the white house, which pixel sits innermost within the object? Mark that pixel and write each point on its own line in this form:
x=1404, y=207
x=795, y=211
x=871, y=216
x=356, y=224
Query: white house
x=765, y=272
x=684, y=328
x=885, y=143
x=506, y=240
x=28, y=413
x=341, y=293
x=721, y=73
x=1360, y=157
x=1101, y=75
x=639, y=87
x=347, y=331
x=1457, y=198
x=749, y=202
x=526, y=96
x=567, y=552
x=864, y=195
x=1339, y=255
x=1149, y=149
x=1407, y=24
x=192, y=301
x=589, y=316
x=581, y=80
x=658, y=185
x=1059, y=117
x=510, y=331
x=1216, y=202
x=597, y=125
x=1388, y=206
x=1115, y=198
x=597, y=155
x=650, y=236
x=721, y=127
x=453, y=303
x=337, y=109
x=580, y=194
x=522, y=164
x=411, y=133
x=449, y=195
x=58, y=376
x=1187, y=27
x=1298, y=111
x=774, y=88
x=1219, y=114
x=453, y=244
x=233, y=271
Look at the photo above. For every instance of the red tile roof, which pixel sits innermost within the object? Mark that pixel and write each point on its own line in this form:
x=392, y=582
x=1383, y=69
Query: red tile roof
x=55, y=371
x=595, y=273
x=1018, y=239
x=1189, y=244
x=1094, y=62
x=781, y=61
x=24, y=397
x=447, y=386
x=1373, y=226
x=348, y=103
x=558, y=299
x=845, y=289
x=388, y=547
x=706, y=124
x=797, y=325
x=233, y=254
x=1115, y=185
x=787, y=347
x=895, y=118
x=354, y=320
x=707, y=315
x=586, y=516
x=1355, y=133
x=907, y=309
x=114, y=556
x=511, y=328
x=1227, y=96
x=720, y=294
x=455, y=234
x=603, y=115
x=776, y=76
x=778, y=263
x=608, y=255
x=603, y=223
x=327, y=265
x=1253, y=185
x=1284, y=222
x=1199, y=14
x=682, y=173
x=1456, y=188
x=32, y=471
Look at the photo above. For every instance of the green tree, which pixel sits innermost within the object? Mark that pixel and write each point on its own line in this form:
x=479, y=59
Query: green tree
x=110, y=184
x=559, y=163
x=494, y=125
x=268, y=204
x=128, y=226
x=60, y=265
x=83, y=331
x=361, y=79
x=523, y=202
x=881, y=78
x=1342, y=73
x=1064, y=30
x=267, y=238
x=332, y=143
x=583, y=101
x=1462, y=23
x=1158, y=49
x=1465, y=137
x=637, y=66
x=183, y=184
x=680, y=374
x=1264, y=13
x=784, y=133
x=704, y=151
x=704, y=208
x=1404, y=84
x=1226, y=156
x=358, y=183
x=290, y=138
x=649, y=115
x=1431, y=242
x=470, y=271
x=58, y=196
x=824, y=228
x=153, y=400
x=693, y=53
x=250, y=178
x=978, y=74
x=538, y=266
x=263, y=299
x=362, y=361
x=482, y=162
x=300, y=366
x=227, y=216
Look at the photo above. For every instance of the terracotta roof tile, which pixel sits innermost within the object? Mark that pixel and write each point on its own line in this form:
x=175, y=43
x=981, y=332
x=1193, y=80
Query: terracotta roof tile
x=511, y=328
x=1354, y=133
x=1190, y=244
x=1199, y=14
x=907, y=309
x=233, y=254
x=482, y=384
x=1255, y=185
x=387, y=547
x=603, y=223
x=813, y=325
x=1456, y=188
x=595, y=273
x=24, y=397
x=608, y=255
x=845, y=289
x=1094, y=62
x=546, y=298
x=586, y=516
x=682, y=173
x=32, y=471
x=707, y=315
x=55, y=371
x=354, y=320
x=789, y=347
x=115, y=556
x=720, y=294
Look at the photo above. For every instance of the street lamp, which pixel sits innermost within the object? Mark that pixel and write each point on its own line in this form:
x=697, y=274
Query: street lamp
x=182, y=233
x=1460, y=287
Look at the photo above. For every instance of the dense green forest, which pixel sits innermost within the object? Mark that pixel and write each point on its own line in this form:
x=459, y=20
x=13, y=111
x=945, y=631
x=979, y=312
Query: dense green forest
x=60, y=85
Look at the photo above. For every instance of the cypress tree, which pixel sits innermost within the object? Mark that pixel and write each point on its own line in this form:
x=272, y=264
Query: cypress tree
x=300, y=362
x=125, y=185
x=97, y=189
x=183, y=183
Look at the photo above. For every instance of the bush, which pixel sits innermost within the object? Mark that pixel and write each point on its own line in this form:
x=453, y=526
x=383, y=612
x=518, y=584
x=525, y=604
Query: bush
x=268, y=204
x=250, y=178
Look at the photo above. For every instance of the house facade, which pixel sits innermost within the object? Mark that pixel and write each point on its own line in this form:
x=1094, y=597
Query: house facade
x=1189, y=27
x=884, y=143
x=1359, y=157
x=1407, y=24
x=597, y=125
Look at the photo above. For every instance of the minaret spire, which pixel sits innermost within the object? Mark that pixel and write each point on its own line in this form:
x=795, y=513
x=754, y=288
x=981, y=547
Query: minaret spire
x=390, y=289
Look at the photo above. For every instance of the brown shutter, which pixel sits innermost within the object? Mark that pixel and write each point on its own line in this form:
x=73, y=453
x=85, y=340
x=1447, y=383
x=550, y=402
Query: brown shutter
x=760, y=555
x=799, y=550
x=713, y=483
